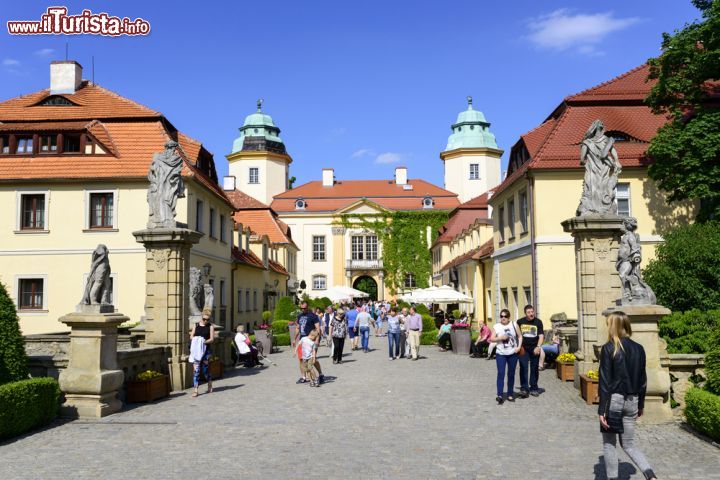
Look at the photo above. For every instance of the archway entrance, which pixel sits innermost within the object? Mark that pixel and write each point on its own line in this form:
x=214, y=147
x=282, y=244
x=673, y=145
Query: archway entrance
x=368, y=285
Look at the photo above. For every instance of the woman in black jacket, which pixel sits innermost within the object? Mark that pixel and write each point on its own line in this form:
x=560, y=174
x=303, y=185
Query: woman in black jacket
x=622, y=386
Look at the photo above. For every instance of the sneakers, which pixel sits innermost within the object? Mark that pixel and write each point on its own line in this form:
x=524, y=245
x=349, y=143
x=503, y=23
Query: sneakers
x=534, y=393
x=301, y=380
x=499, y=400
x=510, y=398
x=523, y=394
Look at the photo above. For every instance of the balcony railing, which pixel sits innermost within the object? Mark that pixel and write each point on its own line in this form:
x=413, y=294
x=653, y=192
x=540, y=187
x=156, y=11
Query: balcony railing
x=365, y=264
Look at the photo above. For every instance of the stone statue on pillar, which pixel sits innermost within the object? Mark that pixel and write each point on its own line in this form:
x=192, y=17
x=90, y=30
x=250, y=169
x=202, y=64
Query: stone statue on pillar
x=602, y=167
x=166, y=186
x=209, y=297
x=97, y=288
x=635, y=290
x=196, y=290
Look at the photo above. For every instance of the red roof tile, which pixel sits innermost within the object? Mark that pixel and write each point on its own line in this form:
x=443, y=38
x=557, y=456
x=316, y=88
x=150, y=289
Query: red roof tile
x=247, y=258
x=460, y=221
x=243, y=201
x=264, y=222
x=632, y=85
x=276, y=267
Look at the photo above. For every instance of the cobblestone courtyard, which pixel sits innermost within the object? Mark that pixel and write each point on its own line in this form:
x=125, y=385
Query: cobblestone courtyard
x=435, y=418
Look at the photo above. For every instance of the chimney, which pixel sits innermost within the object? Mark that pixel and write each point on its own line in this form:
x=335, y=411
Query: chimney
x=400, y=175
x=229, y=183
x=65, y=77
x=328, y=177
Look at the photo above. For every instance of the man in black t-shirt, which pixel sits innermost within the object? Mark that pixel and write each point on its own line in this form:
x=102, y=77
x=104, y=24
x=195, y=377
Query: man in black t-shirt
x=533, y=335
x=307, y=321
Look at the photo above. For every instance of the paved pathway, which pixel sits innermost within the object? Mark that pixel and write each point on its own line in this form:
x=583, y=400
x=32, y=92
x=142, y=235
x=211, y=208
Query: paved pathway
x=431, y=419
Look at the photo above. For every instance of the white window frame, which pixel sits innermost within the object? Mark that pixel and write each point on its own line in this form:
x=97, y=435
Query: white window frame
x=16, y=291
x=18, y=210
x=324, y=248
x=476, y=174
x=251, y=171
x=624, y=197
x=116, y=208
x=319, y=282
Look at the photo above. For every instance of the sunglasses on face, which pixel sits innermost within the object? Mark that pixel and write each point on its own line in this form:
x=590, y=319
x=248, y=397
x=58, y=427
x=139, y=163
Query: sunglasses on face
x=504, y=316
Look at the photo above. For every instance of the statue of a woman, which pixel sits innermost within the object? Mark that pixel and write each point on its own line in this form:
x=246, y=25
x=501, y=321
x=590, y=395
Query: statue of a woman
x=166, y=186
x=602, y=167
x=98, y=281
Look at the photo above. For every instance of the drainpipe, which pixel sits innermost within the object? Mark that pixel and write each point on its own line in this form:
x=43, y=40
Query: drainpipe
x=533, y=246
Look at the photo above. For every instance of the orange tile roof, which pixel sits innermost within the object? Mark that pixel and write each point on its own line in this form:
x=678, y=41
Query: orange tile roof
x=265, y=222
x=243, y=201
x=477, y=253
x=460, y=221
x=619, y=103
x=91, y=102
x=44, y=126
x=344, y=193
x=276, y=267
x=247, y=258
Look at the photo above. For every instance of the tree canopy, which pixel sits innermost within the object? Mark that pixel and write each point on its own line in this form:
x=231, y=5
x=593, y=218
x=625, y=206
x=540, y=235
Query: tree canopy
x=686, y=151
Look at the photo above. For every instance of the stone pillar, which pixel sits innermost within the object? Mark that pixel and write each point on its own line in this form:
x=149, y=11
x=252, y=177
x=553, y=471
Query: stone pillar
x=381, y=287
x=92, y=379
x=644, y=320
x=167, y=278
x=598, y=284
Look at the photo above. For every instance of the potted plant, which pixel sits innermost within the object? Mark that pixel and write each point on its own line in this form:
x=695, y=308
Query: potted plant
x=216, y=367
x=565, y=366
x=263, y=334
x=461, y=338
x=146, y=387
x=589, y=387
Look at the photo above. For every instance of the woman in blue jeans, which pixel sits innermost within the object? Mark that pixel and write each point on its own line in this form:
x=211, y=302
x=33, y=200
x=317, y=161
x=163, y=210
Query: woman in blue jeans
x=506, y=335
x=393, y=334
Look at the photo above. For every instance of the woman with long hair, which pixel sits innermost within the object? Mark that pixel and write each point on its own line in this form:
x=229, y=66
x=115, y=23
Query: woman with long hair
x=338, y=332
x=622, y=386
x=506, y=334
x=202, y=335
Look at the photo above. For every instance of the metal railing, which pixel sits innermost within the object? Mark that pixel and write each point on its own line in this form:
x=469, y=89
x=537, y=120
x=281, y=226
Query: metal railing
x=364, y=264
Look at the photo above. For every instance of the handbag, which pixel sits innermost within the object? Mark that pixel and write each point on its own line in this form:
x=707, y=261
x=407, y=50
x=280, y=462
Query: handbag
x=614, y=419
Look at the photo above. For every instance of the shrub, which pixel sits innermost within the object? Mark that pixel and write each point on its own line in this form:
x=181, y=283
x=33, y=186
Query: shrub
x=266, y=316
x=27, y=404
x=712, y=364
x=279, y=327
x=281, y=339
x=284, y=309
x=13, y=361
x=702, y=411
x=428, y=323
x=322, y=303
x=428, y=337
x=422, y=309
x=456, y=313
x=686, y=271
x=689, y=332
x=403, y=304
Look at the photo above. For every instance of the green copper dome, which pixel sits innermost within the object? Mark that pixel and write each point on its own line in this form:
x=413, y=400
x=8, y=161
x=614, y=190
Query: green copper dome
x=471, y=131
x=259, y=133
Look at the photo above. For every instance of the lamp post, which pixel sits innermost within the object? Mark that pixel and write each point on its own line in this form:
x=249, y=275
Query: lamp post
x=206, y=269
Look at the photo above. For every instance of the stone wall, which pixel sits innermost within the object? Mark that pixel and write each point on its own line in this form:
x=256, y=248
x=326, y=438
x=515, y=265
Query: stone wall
x=683, y=366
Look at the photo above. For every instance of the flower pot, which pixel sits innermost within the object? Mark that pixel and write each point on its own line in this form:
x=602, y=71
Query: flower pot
x=216, y=368
x=265, y=338
x=589, y=389
x=565, y=371
x=147, y=390
x=461, y=341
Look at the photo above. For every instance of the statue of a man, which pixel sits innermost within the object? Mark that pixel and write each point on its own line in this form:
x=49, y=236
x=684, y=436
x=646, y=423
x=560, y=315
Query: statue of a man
x=166, y=186
x=97, y=288
x=635, y=290
x=602, y=167
x=196, y=291
x=209, y=297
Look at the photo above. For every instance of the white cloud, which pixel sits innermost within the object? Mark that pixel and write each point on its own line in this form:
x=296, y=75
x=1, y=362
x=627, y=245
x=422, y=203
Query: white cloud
x=363, y=152
x=389, y=157
x=10, y=62
x=562, y=30
x=44, y=52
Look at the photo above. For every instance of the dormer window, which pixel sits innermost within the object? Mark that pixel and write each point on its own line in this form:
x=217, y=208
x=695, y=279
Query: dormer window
x=427, y=202
x=300, y=204
x=48, y=144
x=71, y=143
x=24, y=145
x=619, y=136
x=56, y=101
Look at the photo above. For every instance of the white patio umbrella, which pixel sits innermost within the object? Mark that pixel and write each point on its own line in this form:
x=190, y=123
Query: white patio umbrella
x=335, y=296
x=444, y=294
x=352, y=292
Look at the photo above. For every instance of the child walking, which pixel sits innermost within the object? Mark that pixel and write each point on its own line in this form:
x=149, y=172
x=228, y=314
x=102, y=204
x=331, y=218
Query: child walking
x=309, y=354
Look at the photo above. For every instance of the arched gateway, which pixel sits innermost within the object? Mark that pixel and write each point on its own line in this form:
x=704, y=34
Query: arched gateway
x=368, y=285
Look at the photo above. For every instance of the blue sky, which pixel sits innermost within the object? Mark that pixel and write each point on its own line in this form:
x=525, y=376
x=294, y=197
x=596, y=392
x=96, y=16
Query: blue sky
x=360, y=87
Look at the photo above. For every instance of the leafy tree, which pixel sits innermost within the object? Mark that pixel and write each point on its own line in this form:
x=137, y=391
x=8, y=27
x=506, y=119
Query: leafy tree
x=13, y=360
x=686, y=271
x=686, y=151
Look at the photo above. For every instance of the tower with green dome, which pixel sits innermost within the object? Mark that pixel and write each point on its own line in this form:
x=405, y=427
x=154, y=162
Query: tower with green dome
x=259, y=161
x=472, y=156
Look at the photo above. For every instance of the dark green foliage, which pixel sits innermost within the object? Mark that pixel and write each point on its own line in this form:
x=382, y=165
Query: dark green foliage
x=27, y=404
x=456, y=313
x=702, y=411
x=279, y=327
x=689, y=332
x=686, y=271
x=712, y=370
x=429, y=337
x=13, y=360
x=428, y=323
x=402, y=304
x=422, y=309
x=284, y=309
x=281, y=339
x=321, y=303
x=686, y=152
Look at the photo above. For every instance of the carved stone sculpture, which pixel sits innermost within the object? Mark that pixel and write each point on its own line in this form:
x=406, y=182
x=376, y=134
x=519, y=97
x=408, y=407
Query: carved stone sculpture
x=196, y=290
x=602, y=167
x=635, y=290
x=209, y=297
x=97, y=288
x=166, y=186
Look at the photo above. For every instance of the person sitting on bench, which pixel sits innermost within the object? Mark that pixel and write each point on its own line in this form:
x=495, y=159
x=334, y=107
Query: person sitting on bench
x=245, y=349
x=549, y=351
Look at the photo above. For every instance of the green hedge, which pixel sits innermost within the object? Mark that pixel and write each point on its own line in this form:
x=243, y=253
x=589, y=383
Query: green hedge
x=284, y=309
x=428, y=323
x=429, y=336
x=422, y=309
x=691, y=331
x=13, y=361
x=280, y=327
x=27, y=404
x=702, y=410
x=712, y=370
x=281, y=339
